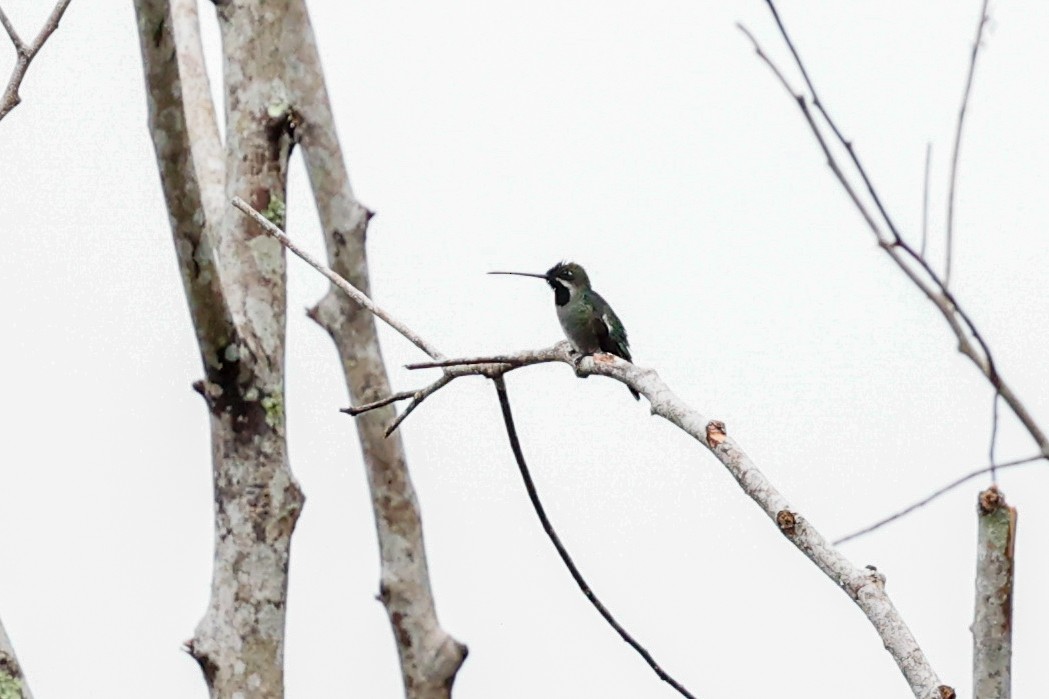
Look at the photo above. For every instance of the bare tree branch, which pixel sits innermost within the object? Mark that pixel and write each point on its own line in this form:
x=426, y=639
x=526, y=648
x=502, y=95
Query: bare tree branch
x=932, y=496
x=12, y=680
x=551, y=533
x=970, y=341
x=25, y=54
x=336, y=279
x=958, y=141
x=866, y=587
x=993, y=620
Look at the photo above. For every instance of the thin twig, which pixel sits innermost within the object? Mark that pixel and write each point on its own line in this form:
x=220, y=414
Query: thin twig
x=994, y=437
x=11, y=32
x=942, y=491
x=26, y=54
x=355, y=410
x=551, y=533
x=420, y=396
x=925, y=199
x=353, y=292
x=496, y=359
x=958, y=140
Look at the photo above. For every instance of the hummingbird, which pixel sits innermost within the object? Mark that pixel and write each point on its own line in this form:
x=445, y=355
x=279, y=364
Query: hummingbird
x=589, y=323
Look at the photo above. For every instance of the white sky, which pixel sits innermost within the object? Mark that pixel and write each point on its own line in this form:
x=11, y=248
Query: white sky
x=647, y=142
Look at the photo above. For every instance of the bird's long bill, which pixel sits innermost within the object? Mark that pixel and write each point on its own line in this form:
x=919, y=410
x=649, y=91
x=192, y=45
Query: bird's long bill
x=522, y=274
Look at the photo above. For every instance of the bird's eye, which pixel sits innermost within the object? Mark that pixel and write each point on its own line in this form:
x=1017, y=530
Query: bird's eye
x=568, y=274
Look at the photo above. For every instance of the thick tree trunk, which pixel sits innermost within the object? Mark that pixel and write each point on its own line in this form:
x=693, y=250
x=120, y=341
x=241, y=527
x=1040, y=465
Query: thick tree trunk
x=234, y=280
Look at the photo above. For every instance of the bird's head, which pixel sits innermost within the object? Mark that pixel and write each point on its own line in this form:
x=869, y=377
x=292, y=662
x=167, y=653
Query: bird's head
x=567, y=275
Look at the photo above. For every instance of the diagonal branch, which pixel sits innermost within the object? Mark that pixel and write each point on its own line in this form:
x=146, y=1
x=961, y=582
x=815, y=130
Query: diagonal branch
x=970, y=341
x=866, y=587
x=337, y=280
x=25, y=54
x=934, y=495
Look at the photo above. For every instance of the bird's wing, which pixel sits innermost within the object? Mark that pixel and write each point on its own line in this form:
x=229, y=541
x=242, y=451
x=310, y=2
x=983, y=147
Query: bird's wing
x=611, y=335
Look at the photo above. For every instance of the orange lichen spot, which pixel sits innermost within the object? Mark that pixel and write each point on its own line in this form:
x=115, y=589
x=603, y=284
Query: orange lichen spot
x=716, y=433
x=786, y=521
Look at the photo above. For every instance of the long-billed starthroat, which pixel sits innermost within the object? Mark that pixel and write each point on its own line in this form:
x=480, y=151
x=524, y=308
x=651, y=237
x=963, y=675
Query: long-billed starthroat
x=590, y=324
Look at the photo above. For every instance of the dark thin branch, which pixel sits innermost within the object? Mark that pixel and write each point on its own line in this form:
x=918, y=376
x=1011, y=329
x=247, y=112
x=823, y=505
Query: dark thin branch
x=994, y=438
x=533, y=495
x=832, y=163
x=925, y=200
x=958, y=140
x=833, y=125
x=26, y=53
x=942, y=491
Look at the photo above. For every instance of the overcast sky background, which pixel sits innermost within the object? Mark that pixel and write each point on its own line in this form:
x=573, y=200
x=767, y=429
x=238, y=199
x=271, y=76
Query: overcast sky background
x=647, y=142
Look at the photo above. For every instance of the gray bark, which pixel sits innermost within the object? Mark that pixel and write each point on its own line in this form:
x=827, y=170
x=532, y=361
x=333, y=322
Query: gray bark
x=993, y=620
x=429, y=656
x=234, y=279
x=12, y=680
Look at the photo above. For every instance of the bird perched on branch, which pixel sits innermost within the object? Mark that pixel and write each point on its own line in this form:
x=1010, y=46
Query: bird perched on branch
x=589, y=322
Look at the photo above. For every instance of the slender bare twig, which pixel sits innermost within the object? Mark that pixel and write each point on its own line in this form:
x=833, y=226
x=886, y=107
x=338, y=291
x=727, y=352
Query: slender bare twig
x=551, y=533
x=994, y=438
x=355, y=410
x=511, y=359
x=420, y=396
x=924, y=277
x=932, y=496
x=26, y=54
x=958, y=141
x=349, y=289
x=925, y=200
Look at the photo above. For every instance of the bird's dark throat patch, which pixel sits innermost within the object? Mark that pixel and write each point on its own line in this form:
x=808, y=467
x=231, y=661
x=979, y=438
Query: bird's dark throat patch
x=560, y=292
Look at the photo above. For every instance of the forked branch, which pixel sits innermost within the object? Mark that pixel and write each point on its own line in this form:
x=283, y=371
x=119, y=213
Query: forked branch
x=25, y=53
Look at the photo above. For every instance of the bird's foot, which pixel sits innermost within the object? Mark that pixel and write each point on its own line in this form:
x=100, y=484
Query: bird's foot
x=605, y=358
x=578, y=361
